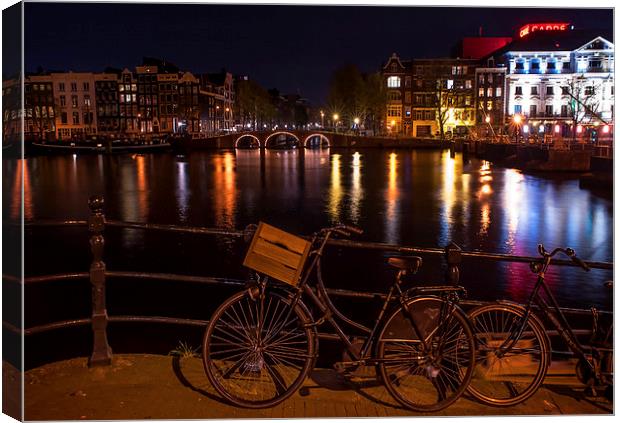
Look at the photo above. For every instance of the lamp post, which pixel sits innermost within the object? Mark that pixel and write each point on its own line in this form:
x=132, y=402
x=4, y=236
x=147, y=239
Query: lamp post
x=517, y=121
x=356, y=121
x=336, y=117
x=322, y=119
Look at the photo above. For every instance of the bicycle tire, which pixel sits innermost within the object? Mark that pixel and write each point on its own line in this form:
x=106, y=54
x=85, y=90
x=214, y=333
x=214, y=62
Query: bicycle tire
x=420, y=381
x=514, y=377
x=256, y=362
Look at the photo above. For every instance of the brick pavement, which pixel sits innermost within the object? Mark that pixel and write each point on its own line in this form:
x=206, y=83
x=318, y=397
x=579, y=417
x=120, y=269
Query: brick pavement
x=163, y=387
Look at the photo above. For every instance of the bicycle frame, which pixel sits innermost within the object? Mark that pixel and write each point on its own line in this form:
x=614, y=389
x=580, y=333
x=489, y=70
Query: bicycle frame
x=552, y=312
x=321, y=300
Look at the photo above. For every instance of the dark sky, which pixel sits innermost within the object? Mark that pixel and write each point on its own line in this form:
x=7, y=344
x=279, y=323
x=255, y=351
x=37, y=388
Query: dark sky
x=293, y=48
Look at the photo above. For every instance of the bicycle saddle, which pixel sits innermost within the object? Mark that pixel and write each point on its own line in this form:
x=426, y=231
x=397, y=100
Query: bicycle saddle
x=409, y=264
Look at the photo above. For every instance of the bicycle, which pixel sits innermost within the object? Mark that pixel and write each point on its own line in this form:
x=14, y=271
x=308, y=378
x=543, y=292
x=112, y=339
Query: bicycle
x=514, y=350
x=262, y=342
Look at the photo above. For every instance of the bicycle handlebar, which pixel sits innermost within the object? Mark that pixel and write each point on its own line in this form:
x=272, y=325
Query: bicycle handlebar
x=344, y=230
x=569, y=252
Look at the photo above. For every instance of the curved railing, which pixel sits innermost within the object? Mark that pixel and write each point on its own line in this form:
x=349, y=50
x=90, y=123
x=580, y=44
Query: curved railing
x=99, y=319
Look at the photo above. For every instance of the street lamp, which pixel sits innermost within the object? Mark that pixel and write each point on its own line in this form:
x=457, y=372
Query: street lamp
x=517, y=120
x=322, y=117
x=487, y=119
x=336, y=117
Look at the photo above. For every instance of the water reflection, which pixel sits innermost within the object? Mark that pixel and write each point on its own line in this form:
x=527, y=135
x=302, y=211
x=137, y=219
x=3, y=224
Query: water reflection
x=356, y=188
x=448, y=198
x=335, y=190
x=392, y=223
x=22, y=173
x=224, y=196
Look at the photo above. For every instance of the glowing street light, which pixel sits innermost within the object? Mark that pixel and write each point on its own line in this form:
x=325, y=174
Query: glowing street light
x=322, y=117
x=517, y=119
x=356, y=121
x=336, y=118
x=487, y=119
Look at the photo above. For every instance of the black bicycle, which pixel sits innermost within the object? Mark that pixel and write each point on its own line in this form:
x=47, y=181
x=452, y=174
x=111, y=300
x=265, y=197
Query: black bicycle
x=514, y=351
x=262, y=342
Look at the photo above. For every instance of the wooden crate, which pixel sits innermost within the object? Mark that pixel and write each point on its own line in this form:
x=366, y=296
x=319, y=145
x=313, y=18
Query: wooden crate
x=277, y=254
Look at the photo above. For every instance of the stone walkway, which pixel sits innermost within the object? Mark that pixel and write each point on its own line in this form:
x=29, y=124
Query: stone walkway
x=164, y=387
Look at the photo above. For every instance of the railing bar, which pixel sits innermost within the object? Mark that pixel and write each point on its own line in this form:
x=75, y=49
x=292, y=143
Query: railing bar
x=56, y=325
x=174, y=228
x=158, y=319
x=57, y=277
x=173, y=277
x=11, y=327
x=50, y=222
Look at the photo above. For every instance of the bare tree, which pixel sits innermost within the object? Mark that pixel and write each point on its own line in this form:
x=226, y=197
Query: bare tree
x=583, y=102
x=445, y=99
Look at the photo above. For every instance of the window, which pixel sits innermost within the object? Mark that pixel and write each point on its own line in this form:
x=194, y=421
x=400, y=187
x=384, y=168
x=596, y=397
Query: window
x=87, y=100
x=490, y=78
x=453, y=70
x=589, y=90
x=520, y=65
x=429, y=115
x=449, y=84
x=393, y=82
x=63, y=100
x=408, y=97
x=480, y=92
x=467, y=100
x=489, y=105
x=76, y=118
x=566, y=66
x=394, y=111
x=534, y=91
x=551, y=65
x=418, y=83
x=407, y=82
x=564, y=110
x=394, y=96
x=498, y=92
x=74, y=86
x=74, y=101
x=594, y=63
x=549, y=90
x=121, y=87
x=535, y=65
x=61, y=86
x=490, y=92
x=518, y=90
x=86, y=86
x=517, y=109
x=565, y=90
x=481, y=78
x=532, y=110
x=408, y=112
x=419, y=99
x=468, y=84
x=549, y=110
x=63, y=118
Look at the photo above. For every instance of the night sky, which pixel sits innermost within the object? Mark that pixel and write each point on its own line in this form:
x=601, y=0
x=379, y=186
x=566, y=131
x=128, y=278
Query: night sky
x=293, y=48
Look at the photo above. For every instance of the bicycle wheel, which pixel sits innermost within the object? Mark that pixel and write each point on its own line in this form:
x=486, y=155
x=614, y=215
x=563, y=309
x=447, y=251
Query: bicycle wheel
x=426, y=354
x=257, y=352
x=507, y=377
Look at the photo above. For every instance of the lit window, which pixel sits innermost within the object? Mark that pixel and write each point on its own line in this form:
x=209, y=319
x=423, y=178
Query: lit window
x=480, y=92
x=489, y=92
x=449, y=84
x=468, y=84
x=489, y=105
x=498, y=92
x=393, y=82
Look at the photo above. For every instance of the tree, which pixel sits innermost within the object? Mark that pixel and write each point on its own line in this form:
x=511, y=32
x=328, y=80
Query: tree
x=583, y=102
x=346, y=94
x=375, y=99
x=445, y=99
x=253, y=104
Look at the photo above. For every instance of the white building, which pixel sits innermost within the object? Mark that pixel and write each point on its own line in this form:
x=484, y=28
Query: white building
x=556, y=79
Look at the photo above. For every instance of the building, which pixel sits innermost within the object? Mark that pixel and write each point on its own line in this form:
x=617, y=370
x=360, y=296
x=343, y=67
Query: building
x=148, y=99
x=107, y=104
x=559, y=81
x=490, y=94
x=189, y=106
x=11, y=111
x=212, y=106
x=128, y=104
x=168, y=101
x=74, y=97
x=39, y=108
x=426, y=94
x=223, y=84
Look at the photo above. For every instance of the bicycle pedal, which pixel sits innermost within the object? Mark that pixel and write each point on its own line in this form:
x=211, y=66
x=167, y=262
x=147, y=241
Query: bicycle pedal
x=344, y=367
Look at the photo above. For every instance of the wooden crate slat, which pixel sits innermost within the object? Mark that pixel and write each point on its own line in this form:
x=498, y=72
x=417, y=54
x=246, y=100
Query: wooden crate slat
x=277, y=253
x=277, y=236
x=271, y=268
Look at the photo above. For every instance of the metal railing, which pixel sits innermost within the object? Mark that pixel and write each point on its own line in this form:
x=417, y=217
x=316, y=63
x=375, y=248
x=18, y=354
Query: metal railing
x=98, y=273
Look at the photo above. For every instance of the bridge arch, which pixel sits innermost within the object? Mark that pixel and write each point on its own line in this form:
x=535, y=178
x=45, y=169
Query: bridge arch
x=287, y=144
x=254, y=142
x=322, y=139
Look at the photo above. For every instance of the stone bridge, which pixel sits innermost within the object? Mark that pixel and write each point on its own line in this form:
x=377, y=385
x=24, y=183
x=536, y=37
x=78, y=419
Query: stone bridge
x=282, y=139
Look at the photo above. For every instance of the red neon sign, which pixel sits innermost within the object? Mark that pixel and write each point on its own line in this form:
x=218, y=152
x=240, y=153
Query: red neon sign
x=547, y=26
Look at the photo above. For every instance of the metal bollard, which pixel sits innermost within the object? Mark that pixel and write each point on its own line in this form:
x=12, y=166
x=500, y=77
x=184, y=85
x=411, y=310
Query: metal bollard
x=453, y=258
x=102, y=353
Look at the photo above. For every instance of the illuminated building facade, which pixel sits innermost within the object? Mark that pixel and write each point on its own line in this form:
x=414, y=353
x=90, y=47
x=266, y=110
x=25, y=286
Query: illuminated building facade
x=107, y=104
x=423, y=92
x=39, y=109
x=148, y=99
x=556, y=78
x=490, y=97
x=74, y=96
x=168, y=101
x=223, y=84
x=128, y=103
x=189, y=106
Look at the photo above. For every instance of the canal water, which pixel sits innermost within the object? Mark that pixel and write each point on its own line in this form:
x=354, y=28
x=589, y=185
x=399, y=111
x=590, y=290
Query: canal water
x=408, y=197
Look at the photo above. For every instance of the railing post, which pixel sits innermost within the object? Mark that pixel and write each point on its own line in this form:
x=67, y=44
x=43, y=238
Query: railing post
x=453, y=258
x=102, y=353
